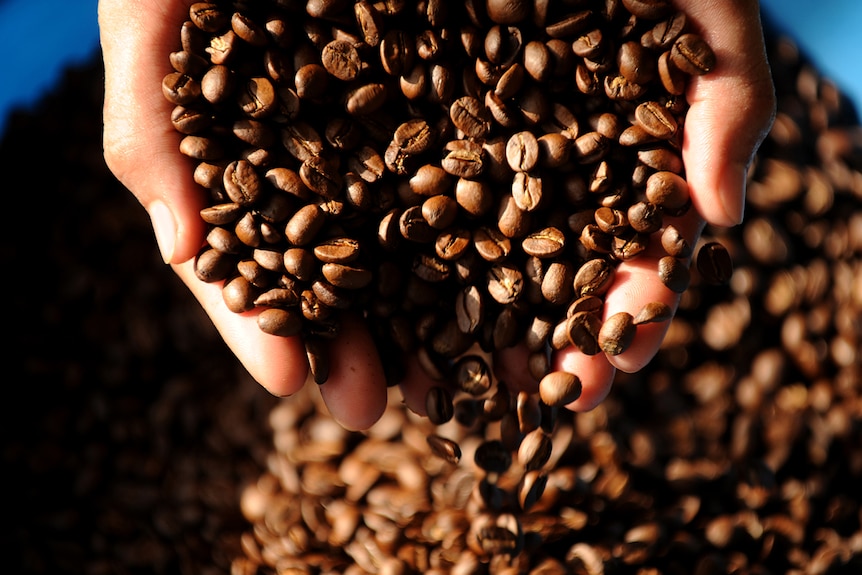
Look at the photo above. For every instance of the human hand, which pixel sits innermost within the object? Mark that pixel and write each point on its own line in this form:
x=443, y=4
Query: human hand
x=141, y=149
x=731, y=111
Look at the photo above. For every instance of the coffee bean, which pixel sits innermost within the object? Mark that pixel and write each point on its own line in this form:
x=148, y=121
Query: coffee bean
x=674, y=274
x=319, y=362
x=546, y=243
x=674, y=243
x=653, y=312
x=656, y=120
x=582, y=330
x=493, y=457
x=471, y=117
x=593, y=278
x=472, y=375
x=559, y=388
x=691, y=54
x=557, y=283
x=505, y=283
x=280, y=322
x=445, y=449
x=617, y=333
x=341, y=60
x=535, y=450
x=440, y=211
x=470, y=309
x=464, y=159
x=438, y=405
x=528, y=191
x=714, y=263
x=668, y=190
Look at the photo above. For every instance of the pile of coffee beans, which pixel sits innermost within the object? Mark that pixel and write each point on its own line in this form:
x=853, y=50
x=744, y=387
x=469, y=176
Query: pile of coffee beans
x=459, y=174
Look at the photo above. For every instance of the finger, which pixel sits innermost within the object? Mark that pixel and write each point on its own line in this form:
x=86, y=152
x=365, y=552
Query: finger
x=636, y=284
x=355, y=393
x=731, y=108
x=595, y=373
x=279, y=364
x=141, y=147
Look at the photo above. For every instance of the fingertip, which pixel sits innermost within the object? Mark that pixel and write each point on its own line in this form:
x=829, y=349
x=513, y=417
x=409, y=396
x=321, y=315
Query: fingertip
x=355, y=392
x=594, y=371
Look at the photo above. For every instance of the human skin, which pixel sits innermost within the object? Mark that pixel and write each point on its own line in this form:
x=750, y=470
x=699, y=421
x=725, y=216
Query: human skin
x=731, y=111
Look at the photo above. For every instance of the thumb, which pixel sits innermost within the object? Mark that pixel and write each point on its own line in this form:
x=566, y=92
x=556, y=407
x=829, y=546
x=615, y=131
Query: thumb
x=731, y=108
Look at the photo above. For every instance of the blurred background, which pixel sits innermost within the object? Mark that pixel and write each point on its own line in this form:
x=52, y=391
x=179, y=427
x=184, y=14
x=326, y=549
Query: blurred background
x=45, y=36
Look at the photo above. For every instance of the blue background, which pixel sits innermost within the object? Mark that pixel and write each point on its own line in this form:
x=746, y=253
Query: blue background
x=45, y=36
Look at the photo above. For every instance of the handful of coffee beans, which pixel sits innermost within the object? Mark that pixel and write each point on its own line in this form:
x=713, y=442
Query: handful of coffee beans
x=461, y=174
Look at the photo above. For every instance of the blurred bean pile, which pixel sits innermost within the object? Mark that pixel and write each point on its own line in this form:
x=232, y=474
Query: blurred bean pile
x=135, y=444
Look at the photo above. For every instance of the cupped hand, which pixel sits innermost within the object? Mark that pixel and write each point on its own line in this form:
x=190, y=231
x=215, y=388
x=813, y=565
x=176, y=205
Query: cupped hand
x=731, y=111
x=141, y=149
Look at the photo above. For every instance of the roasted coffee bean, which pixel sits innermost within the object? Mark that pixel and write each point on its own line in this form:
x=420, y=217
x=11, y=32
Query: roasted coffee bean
x=258, y=98
x=201, y=148
x=471, y=117
x=472, y=375
x=493, y=457
x=221, y=214
x=470, y=309
x=269, y=259
x=279, y=321
x=617, y=333
x=636, y=63
x=505, y=283
x=674, y=274
x=277, y=297
x=242, y=182
x=582, y=330
x=341, y=59
x=365, y=99
x=674, y=243
x=714, y=263
x=321, y=177
x=415, y=227
x=239, y=295
x=644, y=217
x=346, y=276
x=319, y=362
x=691, y=54
x=593, y=278
x=535, y=450
x=445, y=449
x=546, y=243
x=397, y=50
x=473, y=196
x=491, y=244
x=464, y=159
x=672, y=79
x=430, y=180
x=304, y=225
x=440, y=211
x=180, y=89
x=668, y=190
x=656, y=120
x=430, y=268
x=653, y=312
x=559, y=388
x=557, y=283
x=438, y=405
x=528, y=191
x=629, y=246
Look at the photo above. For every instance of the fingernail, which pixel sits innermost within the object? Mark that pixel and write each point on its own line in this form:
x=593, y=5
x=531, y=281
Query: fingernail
x=733, y=198
x=165, y=228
